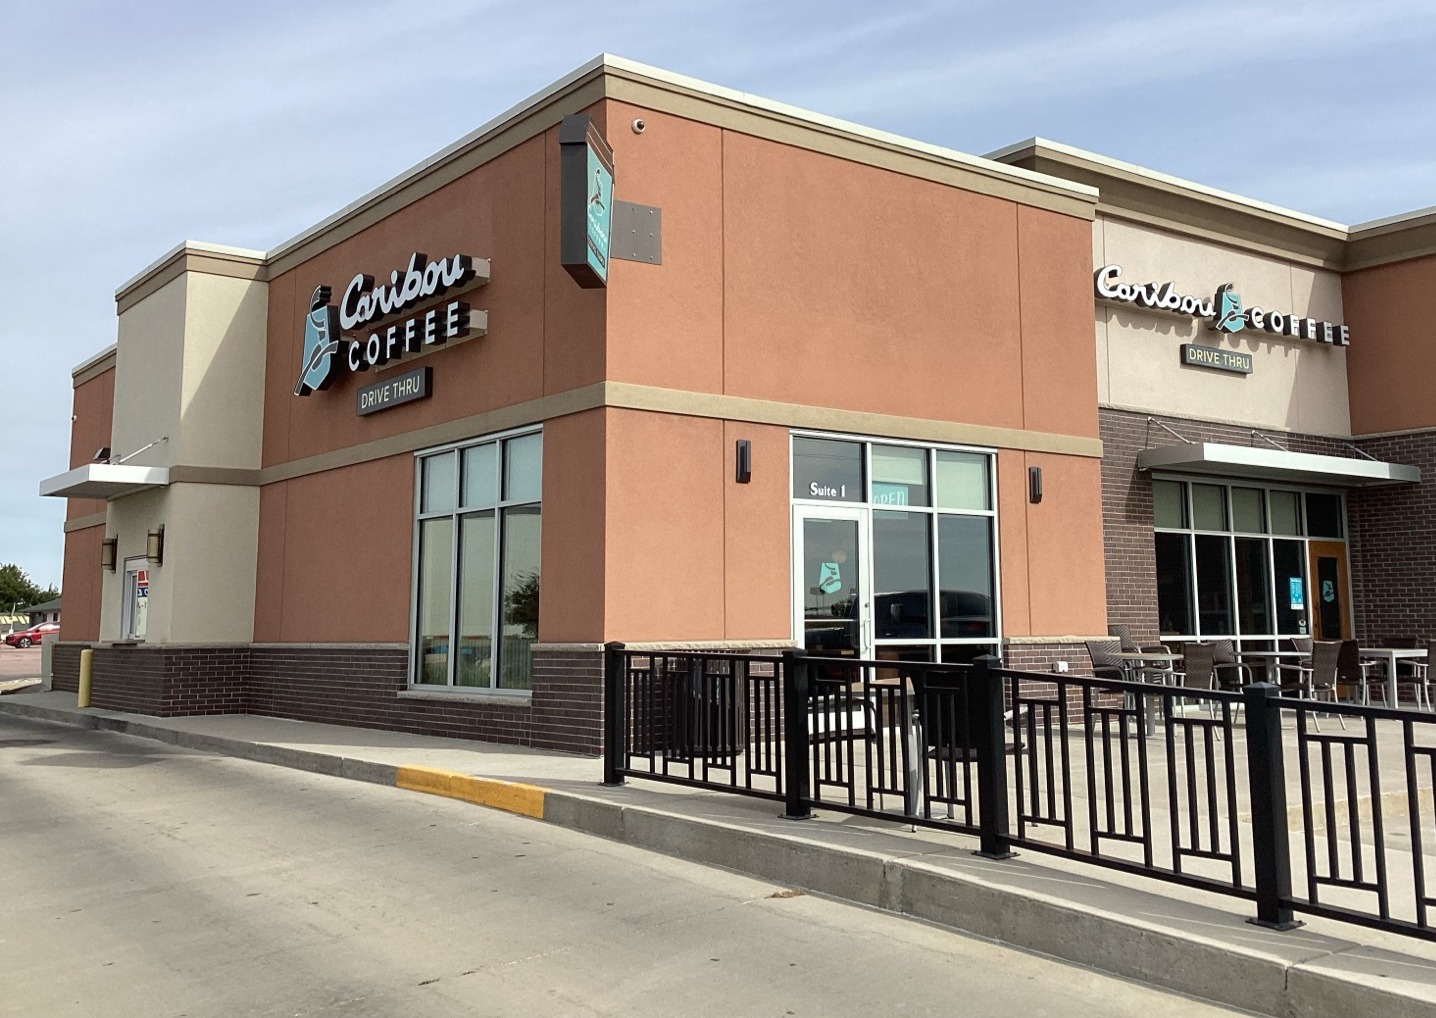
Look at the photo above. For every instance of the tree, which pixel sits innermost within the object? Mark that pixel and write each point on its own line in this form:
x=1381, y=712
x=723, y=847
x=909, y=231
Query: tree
x=18, y=590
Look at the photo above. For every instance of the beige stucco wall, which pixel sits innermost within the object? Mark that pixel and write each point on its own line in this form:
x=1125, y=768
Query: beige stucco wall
x=222, y=390
x=129, y=521
x=1295, y=385
x=190, y=369
x=210, y=547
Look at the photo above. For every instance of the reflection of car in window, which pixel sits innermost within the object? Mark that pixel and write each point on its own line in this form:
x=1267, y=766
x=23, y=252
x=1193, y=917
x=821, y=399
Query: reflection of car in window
x=905, y=614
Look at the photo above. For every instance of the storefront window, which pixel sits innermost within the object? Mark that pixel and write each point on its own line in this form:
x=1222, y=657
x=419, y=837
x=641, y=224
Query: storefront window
x=916, y=572
x=489, y=493
x=1238, y=581
x=1174, y=584
x=1323, y=515
x=828, y=470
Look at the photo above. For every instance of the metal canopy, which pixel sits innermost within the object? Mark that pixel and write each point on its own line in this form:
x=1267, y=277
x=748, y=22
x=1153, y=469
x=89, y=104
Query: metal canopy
x=104, y=480
x=1276, y=465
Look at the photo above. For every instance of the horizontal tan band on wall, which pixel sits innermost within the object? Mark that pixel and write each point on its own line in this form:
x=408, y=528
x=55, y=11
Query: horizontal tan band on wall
x=237, y=476
x=85, y=522
x=858, y=422
x=689, y=404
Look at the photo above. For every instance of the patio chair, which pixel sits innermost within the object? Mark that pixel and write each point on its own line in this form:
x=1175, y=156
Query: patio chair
x=1231, y=673
x=1421, y=677
x=1319, y=679
x=1301, y=645
x=1359, y=674
x=1105, y=662
x=1199, y=670
x=1146, y=671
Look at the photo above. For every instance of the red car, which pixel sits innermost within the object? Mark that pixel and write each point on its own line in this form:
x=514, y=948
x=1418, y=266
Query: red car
x=23, y=638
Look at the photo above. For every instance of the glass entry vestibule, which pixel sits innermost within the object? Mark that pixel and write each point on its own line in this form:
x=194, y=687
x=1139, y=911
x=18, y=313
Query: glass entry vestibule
x=894, y=550
x=1251, y=562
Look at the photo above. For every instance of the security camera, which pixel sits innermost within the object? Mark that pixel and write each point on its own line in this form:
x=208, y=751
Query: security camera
x=639, y=126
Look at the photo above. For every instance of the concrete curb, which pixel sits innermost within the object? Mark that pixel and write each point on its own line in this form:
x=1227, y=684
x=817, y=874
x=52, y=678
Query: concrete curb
x=1305, y=975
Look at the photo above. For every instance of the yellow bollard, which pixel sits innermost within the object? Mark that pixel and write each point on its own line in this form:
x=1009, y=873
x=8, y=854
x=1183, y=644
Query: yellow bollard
x=87, y=665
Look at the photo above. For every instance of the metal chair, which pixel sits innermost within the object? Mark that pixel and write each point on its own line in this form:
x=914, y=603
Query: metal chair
x=1319, y=678
x=1199, y=670
x=1105, y=662
x=1231, y=673
x=1146, y=671
x=1420, y=675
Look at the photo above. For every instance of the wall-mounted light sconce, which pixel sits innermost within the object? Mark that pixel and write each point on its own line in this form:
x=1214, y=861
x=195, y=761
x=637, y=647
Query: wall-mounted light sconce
x=1034, y=484
x=155, y=545
x=743, y=461
x=102, y=454
x=107, y=553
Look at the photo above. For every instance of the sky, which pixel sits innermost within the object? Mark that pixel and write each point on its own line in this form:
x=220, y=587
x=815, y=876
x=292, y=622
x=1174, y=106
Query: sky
x=127, y=128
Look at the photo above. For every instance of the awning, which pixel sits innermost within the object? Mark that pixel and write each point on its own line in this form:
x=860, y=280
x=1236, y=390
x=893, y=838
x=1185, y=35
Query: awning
x=104, y=480
x=1276, y=465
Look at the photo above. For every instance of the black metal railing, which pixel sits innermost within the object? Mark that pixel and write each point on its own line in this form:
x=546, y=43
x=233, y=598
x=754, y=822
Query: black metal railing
x=1180, y=784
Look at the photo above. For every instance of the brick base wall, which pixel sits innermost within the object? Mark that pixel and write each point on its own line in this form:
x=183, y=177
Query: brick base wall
x=1393, y=573
x=65, y=666
x=568, y=700
x=365, y=687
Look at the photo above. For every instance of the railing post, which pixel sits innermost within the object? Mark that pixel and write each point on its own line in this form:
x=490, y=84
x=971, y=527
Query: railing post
x=1266, y=773
x=615, y=713
x=989, y=738
x=795, y=736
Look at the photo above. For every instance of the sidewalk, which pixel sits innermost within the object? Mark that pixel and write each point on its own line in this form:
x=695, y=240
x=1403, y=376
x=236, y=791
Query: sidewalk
x=1150, y=931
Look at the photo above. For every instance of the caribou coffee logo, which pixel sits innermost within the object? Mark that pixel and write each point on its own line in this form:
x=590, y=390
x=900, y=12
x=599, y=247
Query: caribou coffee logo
x=1224, y=311
x=365, y=305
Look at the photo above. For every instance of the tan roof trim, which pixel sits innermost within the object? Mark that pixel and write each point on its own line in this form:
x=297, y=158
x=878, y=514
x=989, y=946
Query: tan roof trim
x=94, y=367
x=746, y=114
x=190, y=256
x=626, y=396
x=1183, y=207
x=1395, y=239
x=1158, y=199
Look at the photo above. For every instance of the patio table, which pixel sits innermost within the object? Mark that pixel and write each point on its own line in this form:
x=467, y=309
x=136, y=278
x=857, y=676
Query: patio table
x=1390, y=655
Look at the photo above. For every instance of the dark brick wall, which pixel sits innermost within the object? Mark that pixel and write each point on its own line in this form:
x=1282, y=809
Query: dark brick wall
x=1039, y=657
x=1394, y=577
x=568, y=700
x=342, y=685
x=360, y=686
x=65, y=666
x=1127, y=504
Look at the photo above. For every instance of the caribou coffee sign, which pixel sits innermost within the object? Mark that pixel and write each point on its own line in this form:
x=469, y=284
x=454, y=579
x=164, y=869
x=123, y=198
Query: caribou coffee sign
x=355, y=335
x=1223, y=311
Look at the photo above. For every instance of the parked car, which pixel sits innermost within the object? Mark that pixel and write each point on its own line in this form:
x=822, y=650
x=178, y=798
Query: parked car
x=23, y=638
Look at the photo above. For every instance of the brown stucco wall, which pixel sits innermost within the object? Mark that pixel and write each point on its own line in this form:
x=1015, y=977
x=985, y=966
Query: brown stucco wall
x=94, y=408
x=1392, y=358
x=918, y=300
x=334, y=555
x=93, y=411
x=545, y=333
x=80, y=619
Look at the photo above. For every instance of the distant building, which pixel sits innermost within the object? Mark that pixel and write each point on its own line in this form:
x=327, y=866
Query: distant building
x=47, y=611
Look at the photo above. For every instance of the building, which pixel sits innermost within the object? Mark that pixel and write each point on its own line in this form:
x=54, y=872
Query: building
x=723, y=373
x=45, y=611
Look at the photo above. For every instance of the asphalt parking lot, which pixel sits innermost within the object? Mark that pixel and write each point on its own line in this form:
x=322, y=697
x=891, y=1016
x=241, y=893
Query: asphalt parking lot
x=19, y=664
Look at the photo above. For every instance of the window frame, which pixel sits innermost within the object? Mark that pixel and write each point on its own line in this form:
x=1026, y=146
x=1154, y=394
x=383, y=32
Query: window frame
x=932, y=511
x=1231, y=535
x=456, y=515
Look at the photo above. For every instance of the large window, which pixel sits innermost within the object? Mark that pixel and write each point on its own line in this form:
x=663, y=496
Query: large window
x=929, y=523
x=1232, y=559
x=476, y=591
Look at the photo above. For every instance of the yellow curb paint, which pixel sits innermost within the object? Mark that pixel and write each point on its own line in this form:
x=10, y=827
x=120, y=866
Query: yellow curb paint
x=509, y=796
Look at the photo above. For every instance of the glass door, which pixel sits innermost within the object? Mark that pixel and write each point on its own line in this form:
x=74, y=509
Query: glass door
x=1328, y=574
x=832, y=591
